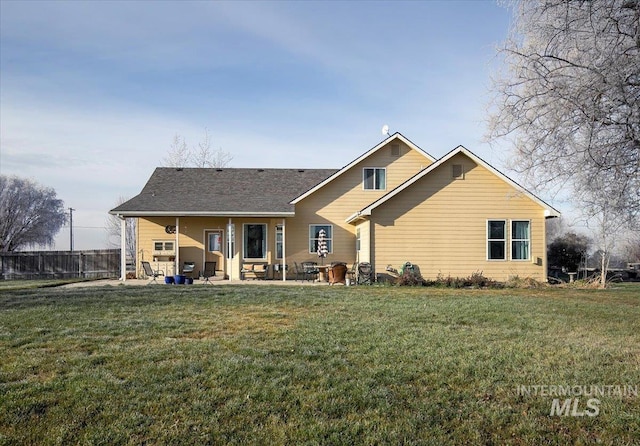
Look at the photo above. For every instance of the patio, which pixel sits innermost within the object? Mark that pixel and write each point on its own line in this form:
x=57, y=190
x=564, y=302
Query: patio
x=196, y=283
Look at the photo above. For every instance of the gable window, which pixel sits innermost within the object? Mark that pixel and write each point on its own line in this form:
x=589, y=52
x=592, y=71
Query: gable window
x=395, y=150
x=255, y=241
x=457, y=171
x=374, y=178
x=496, y=240
x=520, y=240
x=314, y=235
x=279, y=242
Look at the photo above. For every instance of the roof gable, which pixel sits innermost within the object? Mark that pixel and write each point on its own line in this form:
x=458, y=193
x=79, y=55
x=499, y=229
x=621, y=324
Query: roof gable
x=395, y=136
x=549, y=210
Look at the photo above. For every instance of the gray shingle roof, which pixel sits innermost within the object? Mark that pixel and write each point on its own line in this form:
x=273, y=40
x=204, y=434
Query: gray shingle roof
x=229, y=191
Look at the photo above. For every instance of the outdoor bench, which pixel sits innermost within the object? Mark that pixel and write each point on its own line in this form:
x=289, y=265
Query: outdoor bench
x=254, y=271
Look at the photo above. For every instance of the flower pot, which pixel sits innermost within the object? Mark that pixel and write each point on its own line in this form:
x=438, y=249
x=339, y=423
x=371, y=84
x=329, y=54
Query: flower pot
x=179, y=279
x=168, y=280
x=188, y=280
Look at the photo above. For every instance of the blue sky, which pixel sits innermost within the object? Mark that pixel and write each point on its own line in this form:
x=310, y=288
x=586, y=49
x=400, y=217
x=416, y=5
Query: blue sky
x=92, y=93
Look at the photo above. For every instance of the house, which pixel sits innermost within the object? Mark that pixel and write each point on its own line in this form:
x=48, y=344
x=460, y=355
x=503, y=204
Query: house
x=395, y=203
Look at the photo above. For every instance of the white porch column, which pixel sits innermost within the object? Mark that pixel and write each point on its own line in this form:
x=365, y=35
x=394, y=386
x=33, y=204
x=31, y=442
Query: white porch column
x=123, y=248
x=230, y=247
x=284, y=252
x=177, y=266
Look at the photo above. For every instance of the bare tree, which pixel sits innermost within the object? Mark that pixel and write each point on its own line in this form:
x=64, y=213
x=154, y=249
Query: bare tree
x=179, y=154
x=569, y=100
x=603, y=215
x=631, y=249
x=205, y=156
x=30, y=214
x=114, y=232
x=202, y=155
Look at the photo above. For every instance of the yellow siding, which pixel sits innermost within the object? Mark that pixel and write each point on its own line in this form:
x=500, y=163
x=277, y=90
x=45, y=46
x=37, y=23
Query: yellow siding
x=443, y=225
x=438, y=223
x=344, y=196
x=150, y=230
x=364, y=255
x=192, y=239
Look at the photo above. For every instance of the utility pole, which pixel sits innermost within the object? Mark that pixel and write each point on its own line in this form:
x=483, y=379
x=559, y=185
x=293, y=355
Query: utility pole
x=71, y=228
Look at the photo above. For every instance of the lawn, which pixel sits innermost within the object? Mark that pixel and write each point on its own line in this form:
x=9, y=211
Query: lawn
x=316, y=365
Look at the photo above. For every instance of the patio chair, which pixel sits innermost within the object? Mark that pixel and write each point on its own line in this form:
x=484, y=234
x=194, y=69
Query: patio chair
x=279, y=271
x=150, y=272
x=299, y=272
x=365, y=273
x=352, y=273
x=338, y=273
x=310, y=270
x=209, y=271
x=188, y=268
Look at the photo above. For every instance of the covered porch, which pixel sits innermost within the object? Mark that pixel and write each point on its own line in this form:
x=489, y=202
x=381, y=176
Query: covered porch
x=218, y=248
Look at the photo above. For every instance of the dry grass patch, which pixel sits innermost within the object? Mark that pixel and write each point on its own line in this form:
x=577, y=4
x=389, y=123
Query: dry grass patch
x=253, y=320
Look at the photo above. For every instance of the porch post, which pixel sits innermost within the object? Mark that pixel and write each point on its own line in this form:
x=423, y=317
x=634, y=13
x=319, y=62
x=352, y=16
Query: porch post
x=177, y=266
x=284, y=252
x=230, y=246
x=123, y=250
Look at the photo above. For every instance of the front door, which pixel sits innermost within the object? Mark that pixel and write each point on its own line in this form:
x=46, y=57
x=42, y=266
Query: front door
x=214, y=248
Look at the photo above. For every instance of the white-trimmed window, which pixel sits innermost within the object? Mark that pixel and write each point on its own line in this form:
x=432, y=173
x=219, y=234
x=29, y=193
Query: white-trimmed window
x=279, y=241
x=374, y=178
x=314, y=235
x=254, y=239
x=161, y=246
x=520, y=240
x=496, y=240
x=214, y=241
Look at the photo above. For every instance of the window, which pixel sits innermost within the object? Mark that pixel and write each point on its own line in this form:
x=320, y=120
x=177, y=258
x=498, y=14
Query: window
x=314, y=234
x=358, y=239
x=457, y=171
x=520, y=240
x=163, y=246
x=496, y=240
x=214, y=242
x=255, y=241
x=279, y=241
x=374, y=178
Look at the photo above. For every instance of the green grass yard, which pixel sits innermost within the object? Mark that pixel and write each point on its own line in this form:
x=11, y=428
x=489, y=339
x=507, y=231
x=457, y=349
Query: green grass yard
x=314, y=365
